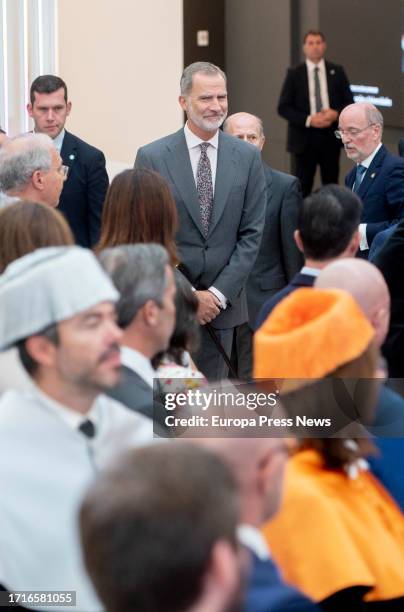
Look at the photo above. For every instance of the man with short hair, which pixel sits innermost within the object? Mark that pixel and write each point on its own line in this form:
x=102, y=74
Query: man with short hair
x=159, y=532
x=87, y=183
x=258, y=466
x=31, y=169
x=219, y=188
x=312, y=96
x=378, y=177
x=146, y=313
x=278, y=259
x=57, y=306
x=327, y=229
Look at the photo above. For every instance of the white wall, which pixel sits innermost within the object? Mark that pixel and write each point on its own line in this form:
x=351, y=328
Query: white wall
x=122, y=61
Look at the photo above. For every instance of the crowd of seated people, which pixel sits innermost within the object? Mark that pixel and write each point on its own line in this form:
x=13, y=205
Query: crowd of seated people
x=98, y=509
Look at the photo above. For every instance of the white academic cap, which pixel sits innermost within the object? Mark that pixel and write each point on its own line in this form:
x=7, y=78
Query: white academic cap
x=48, y=286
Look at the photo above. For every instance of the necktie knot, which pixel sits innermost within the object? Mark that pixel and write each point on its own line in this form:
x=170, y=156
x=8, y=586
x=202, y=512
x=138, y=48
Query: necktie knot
x=204, y=146
x=87, y=428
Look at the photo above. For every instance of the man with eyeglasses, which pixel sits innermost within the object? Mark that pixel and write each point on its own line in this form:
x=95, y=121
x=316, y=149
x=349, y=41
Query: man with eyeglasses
x=84, y=192
x=378, y=177
x=31, y=169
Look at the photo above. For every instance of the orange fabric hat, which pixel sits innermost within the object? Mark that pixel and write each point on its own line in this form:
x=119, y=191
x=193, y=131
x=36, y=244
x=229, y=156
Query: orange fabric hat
x=310, y=334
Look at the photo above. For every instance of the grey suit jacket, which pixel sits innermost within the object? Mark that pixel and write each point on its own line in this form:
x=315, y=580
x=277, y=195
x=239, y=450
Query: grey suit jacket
x=278, y=259
x=224, y=259
x=133, y=391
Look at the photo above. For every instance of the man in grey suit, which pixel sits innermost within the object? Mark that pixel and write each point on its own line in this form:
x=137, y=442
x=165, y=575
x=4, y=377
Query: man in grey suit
x=219, y=187
x=146, y=313
x=278, y=259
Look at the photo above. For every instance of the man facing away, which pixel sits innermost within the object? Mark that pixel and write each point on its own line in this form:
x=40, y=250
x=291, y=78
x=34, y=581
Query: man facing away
x=279, y=258
x=159, y=532
x=327, y=229
x=219, y=188
x=312, y=96
x=57, y=307
x=87, y=183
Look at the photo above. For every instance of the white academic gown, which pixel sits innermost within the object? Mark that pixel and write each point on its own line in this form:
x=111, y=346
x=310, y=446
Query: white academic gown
x=45, y=467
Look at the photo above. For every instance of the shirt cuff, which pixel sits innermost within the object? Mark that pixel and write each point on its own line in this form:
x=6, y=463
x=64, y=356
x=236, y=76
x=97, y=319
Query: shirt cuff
x=363, y=243
x=222, y=299
x=308, y=121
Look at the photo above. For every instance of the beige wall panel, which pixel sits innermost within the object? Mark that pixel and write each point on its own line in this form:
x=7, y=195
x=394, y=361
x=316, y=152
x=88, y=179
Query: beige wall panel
x=122, y=62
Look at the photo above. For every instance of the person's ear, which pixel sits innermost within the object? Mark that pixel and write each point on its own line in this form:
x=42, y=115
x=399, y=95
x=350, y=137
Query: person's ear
x=69, y=108
x=298, y=240
x=223, y=573
x=37, y=179
x=150, y=313
x=29, y=109
x=41, y=350
x=183, y=103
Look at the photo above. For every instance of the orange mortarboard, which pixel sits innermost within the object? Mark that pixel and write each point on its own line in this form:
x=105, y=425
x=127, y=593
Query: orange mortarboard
x=309, y=334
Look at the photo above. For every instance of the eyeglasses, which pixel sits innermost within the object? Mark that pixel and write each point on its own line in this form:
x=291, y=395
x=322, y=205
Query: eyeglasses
x=352, y=132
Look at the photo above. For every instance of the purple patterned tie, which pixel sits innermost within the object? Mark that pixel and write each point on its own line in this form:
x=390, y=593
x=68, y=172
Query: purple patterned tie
x=204, y=187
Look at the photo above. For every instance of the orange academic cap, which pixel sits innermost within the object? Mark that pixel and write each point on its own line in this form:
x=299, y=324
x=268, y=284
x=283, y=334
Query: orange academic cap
x=309, y=334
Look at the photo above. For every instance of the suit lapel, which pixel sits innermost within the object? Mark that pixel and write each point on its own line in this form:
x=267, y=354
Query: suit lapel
x=305, y=86
x=372, y=172
x=225, y=176
x=180, y=170
x=68, y=152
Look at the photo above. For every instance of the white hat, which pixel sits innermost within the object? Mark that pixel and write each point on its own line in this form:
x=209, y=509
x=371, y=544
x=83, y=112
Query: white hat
x=48, y=286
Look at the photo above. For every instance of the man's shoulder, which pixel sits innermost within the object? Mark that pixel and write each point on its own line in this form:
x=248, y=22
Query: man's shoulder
x=390, y=159
x=157, y=145
x=282, y=179
x=332, y=66
x=71, y=140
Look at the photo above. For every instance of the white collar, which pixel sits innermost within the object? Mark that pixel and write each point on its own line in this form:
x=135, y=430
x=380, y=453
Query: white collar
x=72, y=418
x=366, y=162
x=139, y=363
x=252, y=538
x=58, y=140
x=311, y=65
x=310, y=271
x=194, y=141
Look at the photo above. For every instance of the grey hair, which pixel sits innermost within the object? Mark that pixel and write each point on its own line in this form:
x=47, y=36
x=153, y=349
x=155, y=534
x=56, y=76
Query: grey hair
x=21, y=157
x=188, y=74
x=373, y=115
x=138, y=271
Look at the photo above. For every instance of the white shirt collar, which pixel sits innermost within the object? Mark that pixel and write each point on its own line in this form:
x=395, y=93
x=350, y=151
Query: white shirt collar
x=194, y=141
x=311, y=65
x=366, y=162
x=137, y=362
x=310, y=271
x=58, y=141
x=252, y=538
x=72, y=418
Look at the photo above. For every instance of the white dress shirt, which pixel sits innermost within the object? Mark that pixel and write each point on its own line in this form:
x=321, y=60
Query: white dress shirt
x=252, y=538
x=194, y=151
x=137, y=362
x=363, y=244
x=322, y=76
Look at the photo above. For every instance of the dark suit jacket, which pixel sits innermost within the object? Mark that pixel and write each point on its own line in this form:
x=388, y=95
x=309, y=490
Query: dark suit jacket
x=294, y=102
x=225, y=258
x=381, y=191
x=267, y=592
x=84, y=190
x=390, y=261
x=300, y=280
x=278, y=259
x=401, y=147
x=135, y=393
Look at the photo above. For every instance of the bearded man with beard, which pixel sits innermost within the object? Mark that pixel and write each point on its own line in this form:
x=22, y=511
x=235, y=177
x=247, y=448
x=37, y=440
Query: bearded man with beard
x=219, y=188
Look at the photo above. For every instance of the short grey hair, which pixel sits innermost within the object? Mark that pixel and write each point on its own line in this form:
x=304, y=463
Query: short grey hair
x=188, y=74
x=138, y=271
x=373, y=115
x=21, y=156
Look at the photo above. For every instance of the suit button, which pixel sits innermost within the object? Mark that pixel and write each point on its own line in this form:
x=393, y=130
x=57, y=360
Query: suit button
x=206, y=247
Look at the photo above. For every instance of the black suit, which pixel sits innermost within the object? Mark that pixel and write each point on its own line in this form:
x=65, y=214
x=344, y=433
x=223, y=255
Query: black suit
x=311, y=146
x=278, y=259
x=401, y=147
x=84, y=191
